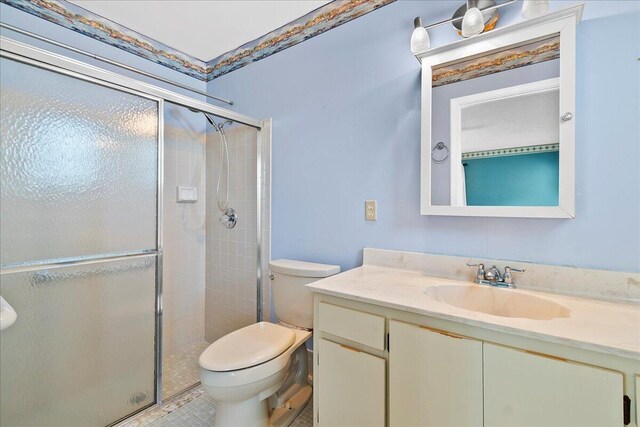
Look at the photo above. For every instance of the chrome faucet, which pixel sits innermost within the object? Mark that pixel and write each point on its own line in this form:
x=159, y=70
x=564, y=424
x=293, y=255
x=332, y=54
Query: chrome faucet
x=492, y=276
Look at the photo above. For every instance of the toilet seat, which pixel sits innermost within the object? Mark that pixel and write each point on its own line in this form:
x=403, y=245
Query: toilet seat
x=247, y=376
x=250, y=346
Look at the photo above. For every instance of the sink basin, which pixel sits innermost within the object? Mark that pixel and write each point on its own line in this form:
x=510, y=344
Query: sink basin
x=498, y=302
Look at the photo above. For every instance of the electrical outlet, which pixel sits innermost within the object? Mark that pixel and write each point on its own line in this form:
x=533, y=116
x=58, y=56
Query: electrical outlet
x=370, y=210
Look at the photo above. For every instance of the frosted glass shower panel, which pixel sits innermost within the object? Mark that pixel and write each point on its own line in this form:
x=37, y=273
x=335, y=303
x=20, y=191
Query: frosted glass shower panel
x=81, y=352
x=78, y=169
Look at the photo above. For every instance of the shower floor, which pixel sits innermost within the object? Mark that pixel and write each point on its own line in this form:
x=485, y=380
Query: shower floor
x=197, y=409
x=181, y=370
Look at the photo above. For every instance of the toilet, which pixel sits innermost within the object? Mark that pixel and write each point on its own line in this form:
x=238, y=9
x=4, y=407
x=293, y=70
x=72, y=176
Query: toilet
x=257, y=375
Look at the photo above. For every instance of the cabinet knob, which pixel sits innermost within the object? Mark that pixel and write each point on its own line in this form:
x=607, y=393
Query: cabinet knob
x=566, y=117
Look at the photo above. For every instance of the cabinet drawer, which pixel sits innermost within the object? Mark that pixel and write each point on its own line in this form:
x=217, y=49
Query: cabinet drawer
x=364, y=328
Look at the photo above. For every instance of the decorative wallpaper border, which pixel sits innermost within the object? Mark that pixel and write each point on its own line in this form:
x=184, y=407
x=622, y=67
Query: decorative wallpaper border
x=515, y=151
x=323, y=19
x=95, y=26
x=513, y=57
x=80, y=20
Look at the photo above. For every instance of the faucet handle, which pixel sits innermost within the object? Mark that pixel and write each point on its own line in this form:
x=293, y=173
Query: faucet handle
x=480, y=274
x=508, y=278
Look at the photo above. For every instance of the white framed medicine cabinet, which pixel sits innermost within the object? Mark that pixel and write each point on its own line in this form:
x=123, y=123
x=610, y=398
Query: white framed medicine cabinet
x=498, y=122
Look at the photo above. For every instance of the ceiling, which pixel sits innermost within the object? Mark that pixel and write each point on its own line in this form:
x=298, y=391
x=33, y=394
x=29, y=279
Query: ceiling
x=204, y=29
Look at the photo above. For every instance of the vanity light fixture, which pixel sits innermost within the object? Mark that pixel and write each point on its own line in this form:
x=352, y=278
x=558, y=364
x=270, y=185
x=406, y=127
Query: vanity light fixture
x=534, y=8
x=473, y=23
x=419, y=38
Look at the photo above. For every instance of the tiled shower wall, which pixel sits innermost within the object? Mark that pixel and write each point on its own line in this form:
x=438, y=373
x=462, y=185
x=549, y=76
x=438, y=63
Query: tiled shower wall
x=184, y=231
x=231, y=253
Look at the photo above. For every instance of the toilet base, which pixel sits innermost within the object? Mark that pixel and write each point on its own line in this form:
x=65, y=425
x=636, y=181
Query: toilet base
x=283, y=416
x=254, y=412
x=251, y=412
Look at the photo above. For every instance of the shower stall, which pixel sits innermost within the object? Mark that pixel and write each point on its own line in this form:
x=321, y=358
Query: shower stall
x=117, y=285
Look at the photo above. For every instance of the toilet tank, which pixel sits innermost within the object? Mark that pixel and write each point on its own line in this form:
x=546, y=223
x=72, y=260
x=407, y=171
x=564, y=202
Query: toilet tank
x=292, y=300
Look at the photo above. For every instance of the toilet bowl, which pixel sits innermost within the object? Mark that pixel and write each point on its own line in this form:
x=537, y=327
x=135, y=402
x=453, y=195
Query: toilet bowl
x=241, y=389
x=257, y=375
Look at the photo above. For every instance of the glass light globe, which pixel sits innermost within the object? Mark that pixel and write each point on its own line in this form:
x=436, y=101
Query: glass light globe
x=419, y=38
x=534, y=8
x=472, y=23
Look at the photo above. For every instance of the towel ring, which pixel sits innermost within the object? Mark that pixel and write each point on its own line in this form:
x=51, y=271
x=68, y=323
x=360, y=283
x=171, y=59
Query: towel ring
x=439, y=158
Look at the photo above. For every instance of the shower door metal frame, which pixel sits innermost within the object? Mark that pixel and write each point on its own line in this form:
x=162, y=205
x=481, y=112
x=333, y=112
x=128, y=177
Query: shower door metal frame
x=27, y=51
x=99, y=258
x=28, y=54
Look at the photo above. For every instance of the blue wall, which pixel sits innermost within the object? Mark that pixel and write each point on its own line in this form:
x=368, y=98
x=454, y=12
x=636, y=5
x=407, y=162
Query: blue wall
x=346, y=128
x=522, y=180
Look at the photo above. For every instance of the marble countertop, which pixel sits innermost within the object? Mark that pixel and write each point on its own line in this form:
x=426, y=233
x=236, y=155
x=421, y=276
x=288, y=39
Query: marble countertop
x=607, y=327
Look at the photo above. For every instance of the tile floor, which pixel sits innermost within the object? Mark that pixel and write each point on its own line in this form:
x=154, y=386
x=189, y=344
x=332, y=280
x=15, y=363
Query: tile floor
x=181, y=370
x=201, y=411
x=193, y=408
x=196, y=409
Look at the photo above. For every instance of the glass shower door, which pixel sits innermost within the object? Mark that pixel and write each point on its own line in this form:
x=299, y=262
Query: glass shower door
x=78, y=248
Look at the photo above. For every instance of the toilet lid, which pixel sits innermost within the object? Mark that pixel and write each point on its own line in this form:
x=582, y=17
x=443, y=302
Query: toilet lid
x=246, y=347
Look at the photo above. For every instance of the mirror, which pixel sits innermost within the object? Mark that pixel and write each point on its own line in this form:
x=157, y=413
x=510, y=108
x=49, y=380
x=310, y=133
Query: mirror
x=502, y=130
x=499, y=136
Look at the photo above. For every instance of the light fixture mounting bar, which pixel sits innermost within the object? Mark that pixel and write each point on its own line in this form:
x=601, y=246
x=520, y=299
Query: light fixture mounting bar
x=487, y=9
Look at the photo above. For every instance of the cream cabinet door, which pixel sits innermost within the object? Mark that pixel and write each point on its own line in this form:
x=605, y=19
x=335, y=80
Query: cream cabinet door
x=351, y=387
x=524, y=389
x=435, y=378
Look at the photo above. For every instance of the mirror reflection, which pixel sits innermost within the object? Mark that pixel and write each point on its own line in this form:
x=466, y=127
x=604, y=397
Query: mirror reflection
x=495, y=128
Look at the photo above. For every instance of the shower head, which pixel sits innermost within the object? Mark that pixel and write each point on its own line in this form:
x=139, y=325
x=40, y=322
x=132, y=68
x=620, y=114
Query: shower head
x=226, y=122
x=216, y=126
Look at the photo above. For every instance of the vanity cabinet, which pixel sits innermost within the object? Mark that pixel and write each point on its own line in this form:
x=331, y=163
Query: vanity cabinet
x=529, y=390
x=377, y=366
x=353, y=387
x=435, y=377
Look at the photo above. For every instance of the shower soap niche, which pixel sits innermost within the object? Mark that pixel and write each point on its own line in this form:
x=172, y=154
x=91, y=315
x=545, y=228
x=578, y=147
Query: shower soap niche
x=187, y=195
